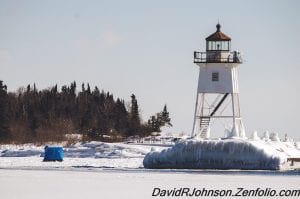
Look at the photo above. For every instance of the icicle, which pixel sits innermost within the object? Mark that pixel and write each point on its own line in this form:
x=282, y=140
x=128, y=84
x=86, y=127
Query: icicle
x=213, y=154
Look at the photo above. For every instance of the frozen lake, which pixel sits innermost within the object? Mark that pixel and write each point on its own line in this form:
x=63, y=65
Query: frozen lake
x=136, y=183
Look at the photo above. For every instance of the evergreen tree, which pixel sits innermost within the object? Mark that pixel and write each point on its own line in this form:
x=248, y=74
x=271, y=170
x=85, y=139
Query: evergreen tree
x=134, y=121
x=154, y=124
x=39, y=115
x=159, y=120
x=82, y=88
x=120, y=117
x=88, y=90
x=165, y=118
x=4, y=127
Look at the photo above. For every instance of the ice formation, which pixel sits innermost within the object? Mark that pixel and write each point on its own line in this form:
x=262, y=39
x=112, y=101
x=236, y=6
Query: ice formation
x=219, y=154
x=274, y=137
x=266, y=136
x=254, y=136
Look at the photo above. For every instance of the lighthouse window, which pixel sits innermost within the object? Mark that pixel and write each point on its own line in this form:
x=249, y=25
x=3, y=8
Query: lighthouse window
x=225, y=45
x=215, y=77
x=218, y=45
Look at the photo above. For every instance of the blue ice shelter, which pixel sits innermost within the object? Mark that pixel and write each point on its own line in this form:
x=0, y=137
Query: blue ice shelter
x=54, y=153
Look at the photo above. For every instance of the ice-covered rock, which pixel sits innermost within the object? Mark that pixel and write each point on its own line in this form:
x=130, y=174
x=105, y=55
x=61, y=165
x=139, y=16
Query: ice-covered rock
x=216, y=154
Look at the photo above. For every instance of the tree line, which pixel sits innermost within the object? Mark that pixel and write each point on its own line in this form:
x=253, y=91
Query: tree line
x=32, y=115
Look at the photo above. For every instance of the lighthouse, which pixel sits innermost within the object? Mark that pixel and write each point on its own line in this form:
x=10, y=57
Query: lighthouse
x=218, y=91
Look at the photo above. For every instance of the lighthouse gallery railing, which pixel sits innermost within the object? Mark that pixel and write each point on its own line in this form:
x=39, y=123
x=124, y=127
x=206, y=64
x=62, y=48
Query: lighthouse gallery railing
x=217, y=57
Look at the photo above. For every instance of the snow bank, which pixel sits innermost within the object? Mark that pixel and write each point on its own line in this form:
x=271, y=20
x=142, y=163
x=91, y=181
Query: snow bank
x=79, y=150
x=25, y=150
x=90, y=154
x=220, y=154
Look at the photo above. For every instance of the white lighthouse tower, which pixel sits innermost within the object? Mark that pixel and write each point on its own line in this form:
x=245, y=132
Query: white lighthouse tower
x=218, y=91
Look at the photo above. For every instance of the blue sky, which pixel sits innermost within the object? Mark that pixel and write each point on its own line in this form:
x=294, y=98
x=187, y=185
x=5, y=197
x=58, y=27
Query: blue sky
x=146, y=48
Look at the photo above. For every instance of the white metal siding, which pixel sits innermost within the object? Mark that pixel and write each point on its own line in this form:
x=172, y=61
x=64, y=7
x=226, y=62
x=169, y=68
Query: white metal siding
x=227, y=83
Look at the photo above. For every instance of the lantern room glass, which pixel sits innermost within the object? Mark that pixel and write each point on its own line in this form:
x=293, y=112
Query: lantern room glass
x=218, y=45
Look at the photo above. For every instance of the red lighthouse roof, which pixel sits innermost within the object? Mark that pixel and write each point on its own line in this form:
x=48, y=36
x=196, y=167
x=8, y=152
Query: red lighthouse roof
x=218, y=35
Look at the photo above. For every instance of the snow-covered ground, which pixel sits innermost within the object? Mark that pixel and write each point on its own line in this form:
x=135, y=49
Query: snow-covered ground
x=120, y=155
x=58, y=184
x=91, y=154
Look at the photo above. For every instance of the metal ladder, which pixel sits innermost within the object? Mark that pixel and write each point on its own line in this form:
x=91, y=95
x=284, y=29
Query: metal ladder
x=204, y=125
x=204, y=121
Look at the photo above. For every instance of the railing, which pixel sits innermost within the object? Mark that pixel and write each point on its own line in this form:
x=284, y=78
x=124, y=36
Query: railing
x=217, y=57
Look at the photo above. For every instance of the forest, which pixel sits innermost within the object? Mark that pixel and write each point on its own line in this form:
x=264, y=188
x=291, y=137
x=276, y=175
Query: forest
x=29, y=115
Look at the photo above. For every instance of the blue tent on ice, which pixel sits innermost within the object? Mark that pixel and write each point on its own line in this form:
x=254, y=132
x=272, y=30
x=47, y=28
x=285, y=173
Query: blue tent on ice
x=53, y=153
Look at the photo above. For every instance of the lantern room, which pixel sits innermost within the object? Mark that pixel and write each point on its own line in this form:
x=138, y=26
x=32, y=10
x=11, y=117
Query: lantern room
x=218, y=41
x=218, y=47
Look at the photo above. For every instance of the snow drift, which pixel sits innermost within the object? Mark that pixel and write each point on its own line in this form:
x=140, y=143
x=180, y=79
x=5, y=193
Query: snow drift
x=216, y=154
x=91, y=149
x=81, y=155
